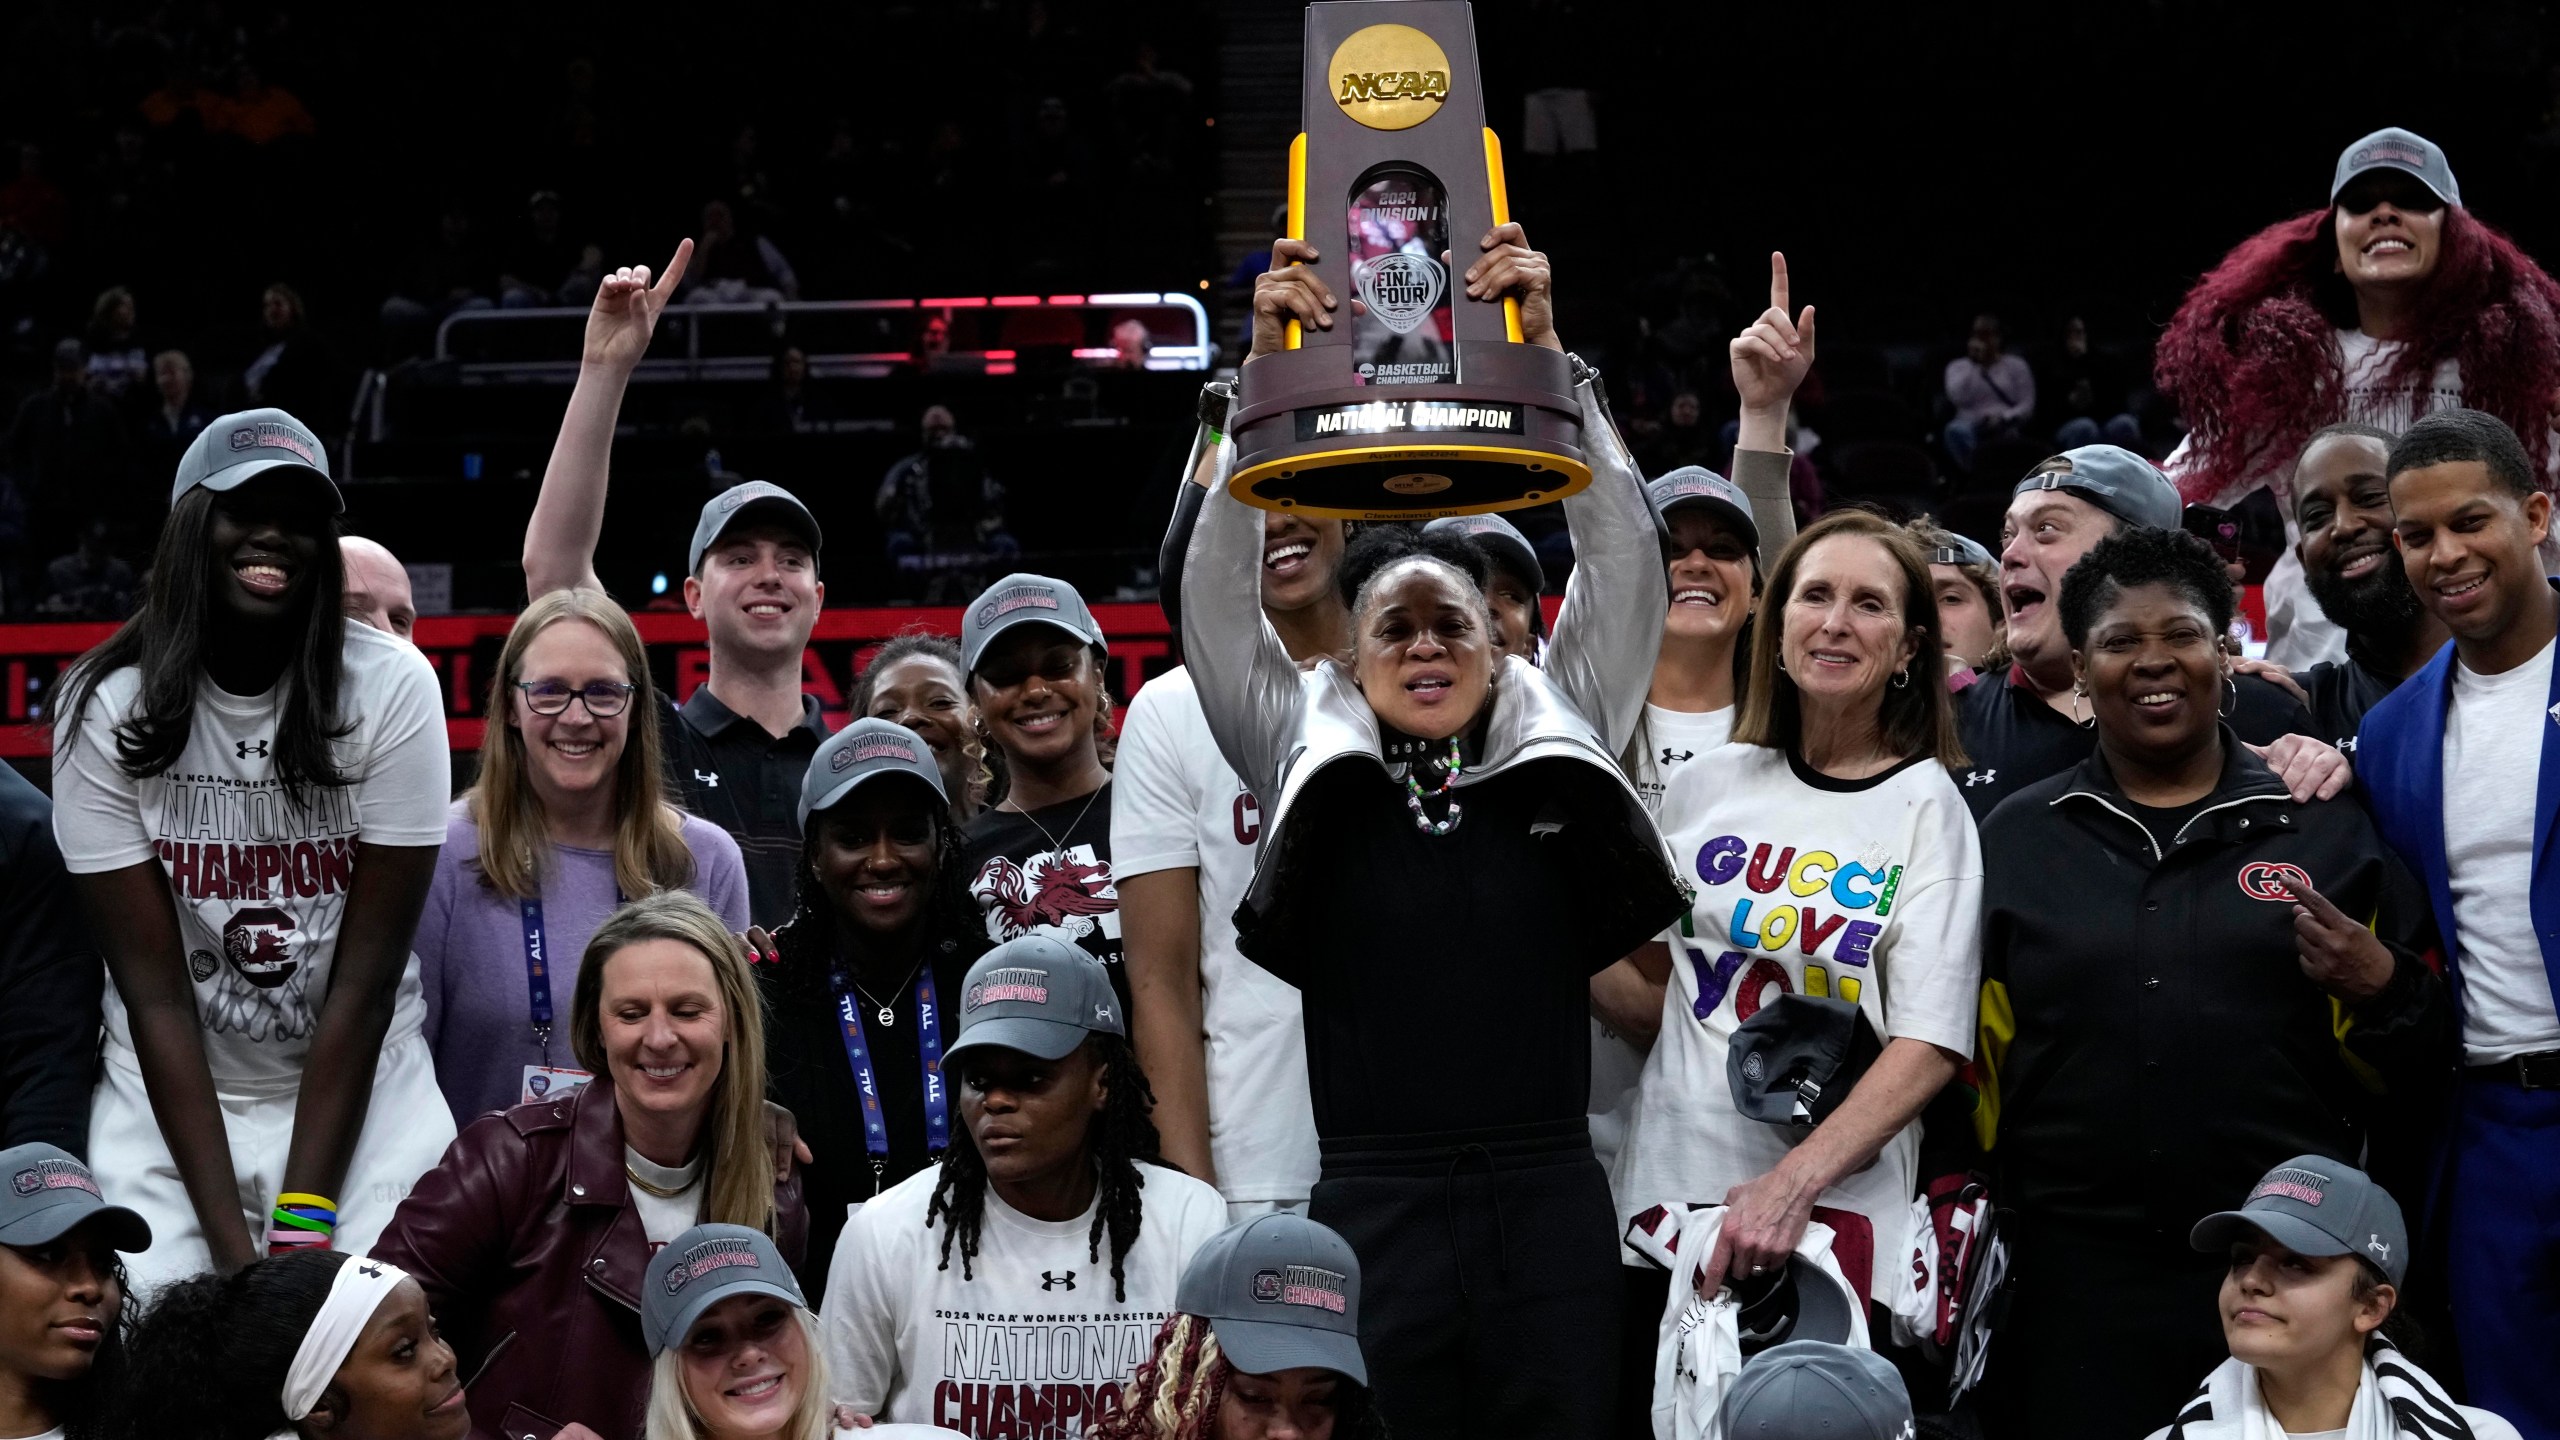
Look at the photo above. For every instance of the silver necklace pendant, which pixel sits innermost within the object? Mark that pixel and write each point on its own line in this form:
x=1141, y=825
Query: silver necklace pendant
x=888, y=1016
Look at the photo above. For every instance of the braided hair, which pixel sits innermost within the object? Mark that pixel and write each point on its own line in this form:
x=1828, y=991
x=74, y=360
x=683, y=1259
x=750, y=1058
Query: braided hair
x=207, y=1361
x=1117, y=1139
x=1176, y=1394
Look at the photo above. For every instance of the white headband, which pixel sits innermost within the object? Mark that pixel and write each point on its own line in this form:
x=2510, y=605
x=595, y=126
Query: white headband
x=359, y=1290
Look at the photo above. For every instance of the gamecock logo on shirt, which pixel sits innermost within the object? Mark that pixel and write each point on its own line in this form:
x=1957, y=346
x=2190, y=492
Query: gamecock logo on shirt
x=259, y=943
x=2266, y=880
x=1054, y=891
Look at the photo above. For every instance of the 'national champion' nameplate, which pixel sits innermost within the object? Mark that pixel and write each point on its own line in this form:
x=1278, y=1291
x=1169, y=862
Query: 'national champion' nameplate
x=1408, y=417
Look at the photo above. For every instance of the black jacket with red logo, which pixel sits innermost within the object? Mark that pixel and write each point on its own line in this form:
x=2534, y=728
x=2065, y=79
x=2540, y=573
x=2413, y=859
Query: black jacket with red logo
x=2150, y=1044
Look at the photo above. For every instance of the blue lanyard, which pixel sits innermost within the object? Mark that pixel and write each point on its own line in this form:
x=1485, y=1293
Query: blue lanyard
x=537, y=973
x=857, y=1052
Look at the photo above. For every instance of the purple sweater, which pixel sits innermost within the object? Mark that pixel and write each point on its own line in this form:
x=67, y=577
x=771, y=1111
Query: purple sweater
x=470, y=950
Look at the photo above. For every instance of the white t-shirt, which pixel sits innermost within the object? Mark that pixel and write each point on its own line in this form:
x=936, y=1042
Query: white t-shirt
x=1031, y=1347
x=2492, y=750
x=1673, y=740
x=261, y=882
x=1177, y=804
x=1808, y=885
x=664, y=1217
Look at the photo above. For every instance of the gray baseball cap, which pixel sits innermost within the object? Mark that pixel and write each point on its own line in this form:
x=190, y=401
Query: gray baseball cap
x=755, y=502
x=241, y=446
x=702, y=1267
x=1808, y=1390
x=2115, y=480
x=1280, y=1291
x=1962, y=550
x=865, y=750
x=45, y=1191
x=1036, y=994
x=1500, y=539
x=2313, y=1205
x=2392, y=148
x=1698, y=485
x=1023, y=599
x=1798, y=1057
x=1798, y=1301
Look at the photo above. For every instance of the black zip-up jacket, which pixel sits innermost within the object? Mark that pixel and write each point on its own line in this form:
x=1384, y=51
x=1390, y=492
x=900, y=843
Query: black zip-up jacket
x=51, y=982
x=2150, y=1044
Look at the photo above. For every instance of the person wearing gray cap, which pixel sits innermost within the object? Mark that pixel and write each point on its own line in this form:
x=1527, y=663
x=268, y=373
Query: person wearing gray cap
x=1519, y=621
x=62, y=1291
x=1039, y=860
x=2317, y=1257
x=1049, y=1222
x=864, y=982
x=2390, y=302
x=2030, y=721
x=249, y=793
x=736, y=748
x=1809, y=1390
x=1264, y=1343
x=734, y=1349
x=1967, y=581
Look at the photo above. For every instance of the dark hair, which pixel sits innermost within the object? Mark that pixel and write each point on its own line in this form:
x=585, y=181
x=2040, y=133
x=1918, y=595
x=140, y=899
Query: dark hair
x=1176, y=1394
x=79, y=1406
x=165, y=641
x=2343, y=428
x=987, y=783
x=813, y=941
x=2450, y=435
x=2144, y=555
x=1495, y=564
x=1915, y=716
x=1376, y=547
x=207, y=1360
x=1118, y=1138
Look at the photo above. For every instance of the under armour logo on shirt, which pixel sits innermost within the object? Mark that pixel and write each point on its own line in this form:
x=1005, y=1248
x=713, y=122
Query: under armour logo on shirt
x=712, y=780
x=1979, y=777
x=369, y=1270
x=1050, y=1281
x=1670, y=756
x=250, y=749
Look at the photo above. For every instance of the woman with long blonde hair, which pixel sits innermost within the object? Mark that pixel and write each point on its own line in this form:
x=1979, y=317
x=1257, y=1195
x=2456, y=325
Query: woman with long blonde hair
x=540, y=1221
x=568, y=820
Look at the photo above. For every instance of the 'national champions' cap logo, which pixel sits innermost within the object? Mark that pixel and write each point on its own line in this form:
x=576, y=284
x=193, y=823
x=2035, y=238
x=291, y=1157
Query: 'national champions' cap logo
x=1010, y=983
x=1307, y=1285
x=52, y=1175
x=879, y=747
x=1400, y=289
x=1020, y=597
x=2306, y=1186
x=268, y=434
x=708, y=1258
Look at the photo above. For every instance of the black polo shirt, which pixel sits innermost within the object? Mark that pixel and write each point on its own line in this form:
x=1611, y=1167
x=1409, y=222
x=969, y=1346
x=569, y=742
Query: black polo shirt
x=729, y=771
x=2014, y=739
x=2341, y=691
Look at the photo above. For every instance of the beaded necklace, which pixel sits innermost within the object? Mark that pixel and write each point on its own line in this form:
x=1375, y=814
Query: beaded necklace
x=1413, y=793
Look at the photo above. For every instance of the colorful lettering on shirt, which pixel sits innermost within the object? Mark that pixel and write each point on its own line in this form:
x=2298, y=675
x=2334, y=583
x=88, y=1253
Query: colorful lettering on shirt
x=1774, y=910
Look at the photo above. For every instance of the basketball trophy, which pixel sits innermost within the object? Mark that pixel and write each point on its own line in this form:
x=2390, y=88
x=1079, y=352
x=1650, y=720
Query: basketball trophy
x=1418, y=402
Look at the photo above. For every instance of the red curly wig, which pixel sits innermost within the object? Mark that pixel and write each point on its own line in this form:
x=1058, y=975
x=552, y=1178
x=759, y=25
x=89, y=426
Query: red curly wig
x=2250, y=361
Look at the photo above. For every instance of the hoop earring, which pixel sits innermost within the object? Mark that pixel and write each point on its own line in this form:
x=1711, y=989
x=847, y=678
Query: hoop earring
x=2079, y=693
x=1902, y=678
x=2230, y=683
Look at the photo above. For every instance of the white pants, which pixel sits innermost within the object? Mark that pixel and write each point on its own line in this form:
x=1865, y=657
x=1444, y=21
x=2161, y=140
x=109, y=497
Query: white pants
x=406, y=1130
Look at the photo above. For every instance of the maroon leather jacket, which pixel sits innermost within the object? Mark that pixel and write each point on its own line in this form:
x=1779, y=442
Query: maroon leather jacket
x=526, y=1227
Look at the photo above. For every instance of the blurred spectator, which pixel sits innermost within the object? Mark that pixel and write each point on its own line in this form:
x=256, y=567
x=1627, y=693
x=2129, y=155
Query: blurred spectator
x=173, y=422
x=1052, y=180
x=734, y=266
x=66, y=453
x=1991, y=391
x=943, y=511
x=294, y=371
x=90, y=583
x=451, y=274
x=933, y=346
x=117, y=361
x=545, y=266
x=1129, y=344
x=1683, y=438
x=1151, y=116
x=256, y=111
x=32, y=203
x=2084, y=395
x=788, y=403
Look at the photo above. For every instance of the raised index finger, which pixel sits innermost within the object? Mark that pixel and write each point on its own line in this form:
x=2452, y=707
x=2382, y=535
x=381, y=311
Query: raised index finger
x=2315, y=902
x=1778, y=282
x=675, y=269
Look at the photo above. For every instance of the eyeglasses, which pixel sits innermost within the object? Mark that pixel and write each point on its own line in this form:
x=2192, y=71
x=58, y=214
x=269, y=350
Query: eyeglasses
x=604, y=699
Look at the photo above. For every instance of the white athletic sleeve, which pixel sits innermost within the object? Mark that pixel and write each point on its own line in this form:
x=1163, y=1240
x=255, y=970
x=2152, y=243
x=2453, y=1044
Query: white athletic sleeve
x=97, y=807
x=1933, y=970
x=405, y=781
x=1154, y=806
x=858, y=1317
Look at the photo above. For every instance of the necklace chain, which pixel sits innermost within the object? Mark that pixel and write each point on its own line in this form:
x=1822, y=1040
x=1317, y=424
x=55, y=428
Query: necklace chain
x=661, y=1191
x=1452, y=767
x=886, y=1011
x=1055, y=844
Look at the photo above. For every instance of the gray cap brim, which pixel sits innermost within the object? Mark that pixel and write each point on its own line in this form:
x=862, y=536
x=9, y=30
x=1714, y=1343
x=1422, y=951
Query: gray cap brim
x=1033, y=1036
x=124, y=1229
x=786, y=512
x=1724, y=510
x=236, y=476
x=691, y=1310
x=2219, y=1231
x=987, y=637
x=1262, y=1347
x=854, y=780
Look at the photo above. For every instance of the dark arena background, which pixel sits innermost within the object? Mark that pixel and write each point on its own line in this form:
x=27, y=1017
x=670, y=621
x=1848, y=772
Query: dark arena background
x=1044, y=217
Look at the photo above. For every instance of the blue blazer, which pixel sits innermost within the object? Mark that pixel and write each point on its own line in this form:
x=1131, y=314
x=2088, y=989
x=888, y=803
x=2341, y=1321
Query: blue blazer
x=2400, y=762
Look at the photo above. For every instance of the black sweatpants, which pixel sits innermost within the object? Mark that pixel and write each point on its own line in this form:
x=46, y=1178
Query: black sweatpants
x=2107, y=1335
x=1489, y=1286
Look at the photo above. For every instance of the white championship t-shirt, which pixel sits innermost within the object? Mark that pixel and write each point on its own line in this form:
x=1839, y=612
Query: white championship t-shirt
x=1666, y=777
x=1034, y=1344
x=1177, y=804
x=1867, y=890
x=260, y=878
x=2492, y=750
